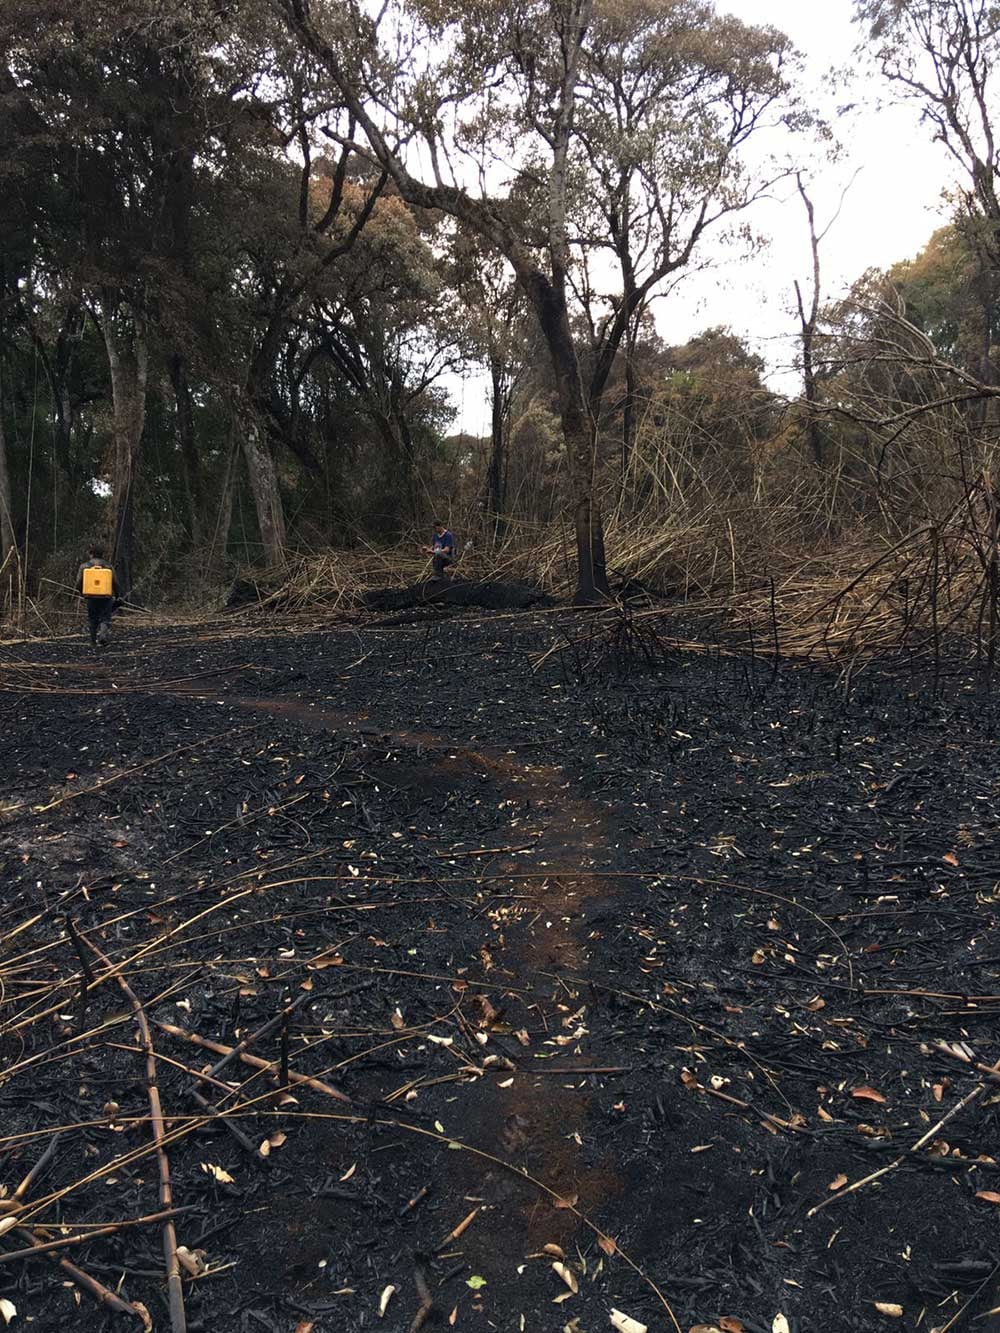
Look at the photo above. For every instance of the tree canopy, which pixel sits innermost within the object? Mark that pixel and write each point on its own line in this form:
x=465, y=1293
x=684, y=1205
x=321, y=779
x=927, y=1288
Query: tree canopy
x=265, y=262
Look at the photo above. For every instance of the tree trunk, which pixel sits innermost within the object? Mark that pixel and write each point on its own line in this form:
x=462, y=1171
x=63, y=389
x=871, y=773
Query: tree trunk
x=6, y=505
x=266, y=493
x=128, y=362
x=216, y=557
x=579, y=434
x=496, y=473
x=8, y=557
x=190, y=462
x=628, y=407
x=808, y=321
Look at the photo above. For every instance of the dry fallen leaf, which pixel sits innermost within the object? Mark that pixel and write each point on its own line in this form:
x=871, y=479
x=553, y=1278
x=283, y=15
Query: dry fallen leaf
x=217, y=1173
x=8, y=1309
x=867, y=1095
x=780, y=1324
x=815, y=1004
x=949, y=859
x=486, y=1015
x=890, y=1309
x=988, y=1196
x=837, y=1183
x=570, y=1201
x=704, y=1328
x=556, y=1250
x=758, y=957
x=567, y=1275
x=730, y=1324
x=384, y=1300
x=349, y=1172
x=305, y=1326
x=624, y=1324
x=193, y=1262
x=607, y=1245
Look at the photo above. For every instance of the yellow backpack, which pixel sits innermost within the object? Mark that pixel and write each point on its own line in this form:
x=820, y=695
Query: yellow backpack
x=97, y=582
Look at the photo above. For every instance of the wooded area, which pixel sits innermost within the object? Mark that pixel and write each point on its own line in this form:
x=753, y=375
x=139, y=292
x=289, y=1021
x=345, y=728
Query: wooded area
x=597, y=929
x=256, y=254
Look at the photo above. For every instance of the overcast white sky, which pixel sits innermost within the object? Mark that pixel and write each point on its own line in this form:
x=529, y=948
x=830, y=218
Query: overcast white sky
x=889, y=212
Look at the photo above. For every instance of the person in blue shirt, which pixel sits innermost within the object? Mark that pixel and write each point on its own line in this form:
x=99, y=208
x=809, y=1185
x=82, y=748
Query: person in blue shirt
x=441, y=549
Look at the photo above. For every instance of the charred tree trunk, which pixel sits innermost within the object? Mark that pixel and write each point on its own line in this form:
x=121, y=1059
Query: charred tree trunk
x=128, y=362
x=266, y=492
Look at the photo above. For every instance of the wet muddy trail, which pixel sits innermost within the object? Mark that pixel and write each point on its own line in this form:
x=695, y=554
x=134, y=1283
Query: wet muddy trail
x=624, y=984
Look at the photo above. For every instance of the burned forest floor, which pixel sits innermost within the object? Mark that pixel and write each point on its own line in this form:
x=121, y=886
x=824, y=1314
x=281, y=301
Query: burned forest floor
x=553, y=1000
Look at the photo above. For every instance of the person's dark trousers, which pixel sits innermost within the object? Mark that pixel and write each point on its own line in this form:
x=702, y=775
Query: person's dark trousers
x=99, y=618
x=440, y=563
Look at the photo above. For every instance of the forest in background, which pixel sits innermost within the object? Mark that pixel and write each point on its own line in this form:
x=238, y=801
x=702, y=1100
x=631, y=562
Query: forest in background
x=249, y=249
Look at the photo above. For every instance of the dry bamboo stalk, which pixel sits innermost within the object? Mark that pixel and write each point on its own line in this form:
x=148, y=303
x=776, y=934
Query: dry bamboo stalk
x=45, y=1246
x=175, y=1289
x=254, y=1061
x=96, y=1289
x=967, y=1100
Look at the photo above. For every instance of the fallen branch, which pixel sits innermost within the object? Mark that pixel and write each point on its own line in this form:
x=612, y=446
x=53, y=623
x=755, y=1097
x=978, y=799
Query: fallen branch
x=426, y=1299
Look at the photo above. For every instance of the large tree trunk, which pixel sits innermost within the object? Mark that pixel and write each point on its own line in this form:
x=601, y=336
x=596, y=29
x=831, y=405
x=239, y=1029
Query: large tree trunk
x=6, y=504
x=11, y=584
x=266, y=493
x=190, y=463
x=218, y=547
x=9, y=581
x=128, y=362
x=579, y=434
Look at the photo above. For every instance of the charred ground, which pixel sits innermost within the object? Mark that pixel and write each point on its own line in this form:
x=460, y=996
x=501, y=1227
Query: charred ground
x=539, y=934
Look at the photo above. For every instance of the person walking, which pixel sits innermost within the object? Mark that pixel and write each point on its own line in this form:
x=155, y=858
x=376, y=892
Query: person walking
x=441, y=550
x=96, y=584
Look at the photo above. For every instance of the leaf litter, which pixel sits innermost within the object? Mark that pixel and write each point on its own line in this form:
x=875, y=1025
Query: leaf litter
x=461, y=879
